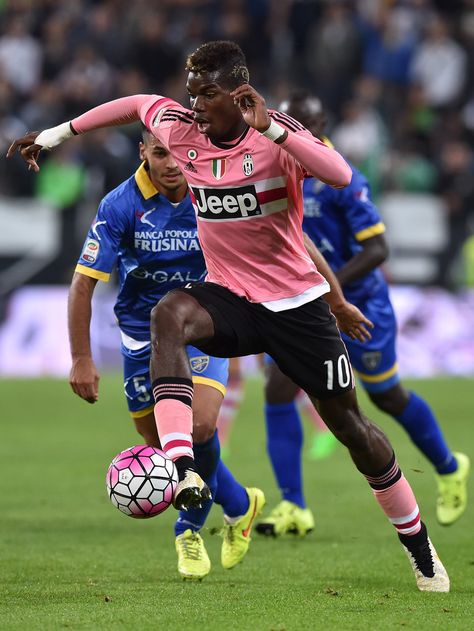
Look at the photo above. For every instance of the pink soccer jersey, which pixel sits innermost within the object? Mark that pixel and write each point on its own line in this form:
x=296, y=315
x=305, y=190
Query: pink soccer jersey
x=247, y=195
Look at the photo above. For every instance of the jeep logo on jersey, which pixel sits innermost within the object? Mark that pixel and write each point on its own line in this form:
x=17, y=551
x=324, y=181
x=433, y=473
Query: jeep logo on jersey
x=199, y=364
x=227, y=203
x=247, y=164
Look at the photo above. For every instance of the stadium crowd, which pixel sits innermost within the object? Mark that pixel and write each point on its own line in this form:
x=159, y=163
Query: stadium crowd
x=395, y=76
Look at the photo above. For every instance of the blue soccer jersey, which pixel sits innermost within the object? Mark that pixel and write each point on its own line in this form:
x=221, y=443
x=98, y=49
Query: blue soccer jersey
x=152, y=242
x=154, y=245
x=338, y=221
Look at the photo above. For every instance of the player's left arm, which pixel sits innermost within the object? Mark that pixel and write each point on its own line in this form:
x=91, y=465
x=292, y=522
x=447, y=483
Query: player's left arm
x=313, y=155
x=350, y=319
x=374, y=252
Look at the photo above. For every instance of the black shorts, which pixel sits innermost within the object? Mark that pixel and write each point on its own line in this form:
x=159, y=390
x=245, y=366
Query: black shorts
x=304, y=342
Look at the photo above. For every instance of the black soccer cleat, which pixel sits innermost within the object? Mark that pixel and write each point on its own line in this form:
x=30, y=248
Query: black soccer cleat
x=191, y=490
x=430, y=574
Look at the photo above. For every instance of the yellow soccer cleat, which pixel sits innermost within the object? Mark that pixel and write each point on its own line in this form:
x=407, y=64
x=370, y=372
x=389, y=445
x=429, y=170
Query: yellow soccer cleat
x=193, y=561
x=237, y=535
x=452, y=492
x=287, y=517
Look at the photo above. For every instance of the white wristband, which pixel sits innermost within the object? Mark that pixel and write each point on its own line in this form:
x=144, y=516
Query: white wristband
x=274, y=132
x=54, y=136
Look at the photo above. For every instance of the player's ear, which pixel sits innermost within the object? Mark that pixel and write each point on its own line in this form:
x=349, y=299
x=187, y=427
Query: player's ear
x=141, y=148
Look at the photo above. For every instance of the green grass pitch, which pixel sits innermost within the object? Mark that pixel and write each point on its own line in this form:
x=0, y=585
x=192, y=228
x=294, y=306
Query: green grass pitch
x=69, y=560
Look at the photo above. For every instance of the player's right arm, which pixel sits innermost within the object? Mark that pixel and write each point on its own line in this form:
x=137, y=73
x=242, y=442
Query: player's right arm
x=97, y=260
x=118, y=112
x=83, y=377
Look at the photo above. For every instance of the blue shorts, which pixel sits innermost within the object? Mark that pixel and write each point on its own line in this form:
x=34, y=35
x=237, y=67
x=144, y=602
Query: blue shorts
x=375, y=361
x=211, y=371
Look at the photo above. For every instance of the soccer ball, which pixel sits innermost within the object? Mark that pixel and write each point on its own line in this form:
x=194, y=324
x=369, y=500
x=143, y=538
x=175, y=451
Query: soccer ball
x=141, y=481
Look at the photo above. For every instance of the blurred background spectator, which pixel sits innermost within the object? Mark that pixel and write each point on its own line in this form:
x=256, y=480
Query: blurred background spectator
x=396, y=77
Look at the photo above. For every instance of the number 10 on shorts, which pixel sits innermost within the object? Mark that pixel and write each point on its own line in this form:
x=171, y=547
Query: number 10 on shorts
x=343, y=372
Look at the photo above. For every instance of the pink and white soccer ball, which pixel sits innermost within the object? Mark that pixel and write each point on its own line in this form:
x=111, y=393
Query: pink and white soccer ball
x=141, y=481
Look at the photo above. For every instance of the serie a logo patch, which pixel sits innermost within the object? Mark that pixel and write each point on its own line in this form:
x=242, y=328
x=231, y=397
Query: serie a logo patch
x=91, y=250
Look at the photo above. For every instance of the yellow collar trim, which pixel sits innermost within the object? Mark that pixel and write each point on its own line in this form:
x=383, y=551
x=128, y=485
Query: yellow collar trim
x=146, y=186
x=327, y=142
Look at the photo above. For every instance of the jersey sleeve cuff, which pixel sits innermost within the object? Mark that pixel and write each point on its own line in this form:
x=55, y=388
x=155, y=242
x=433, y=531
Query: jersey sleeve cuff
x=372, y=231
x=93, y=273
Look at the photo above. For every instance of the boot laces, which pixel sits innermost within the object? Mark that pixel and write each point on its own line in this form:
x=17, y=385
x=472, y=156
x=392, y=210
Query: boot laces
x=191, y=547
x=450, y=494
x=424, y=559
x=229, y=533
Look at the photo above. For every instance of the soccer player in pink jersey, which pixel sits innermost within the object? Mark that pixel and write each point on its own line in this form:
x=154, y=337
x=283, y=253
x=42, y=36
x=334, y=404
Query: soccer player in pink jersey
x=245, y=165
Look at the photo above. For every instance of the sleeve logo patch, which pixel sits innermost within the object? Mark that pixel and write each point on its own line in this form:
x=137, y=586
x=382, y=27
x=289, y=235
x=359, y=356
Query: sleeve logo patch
x=91, y=250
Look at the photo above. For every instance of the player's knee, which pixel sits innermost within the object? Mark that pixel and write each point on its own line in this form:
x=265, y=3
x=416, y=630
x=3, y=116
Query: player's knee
x=206, y=407
x=167, y=314
x=179, y=318
x=204, y=427
x=392, y=401
x=171, y=316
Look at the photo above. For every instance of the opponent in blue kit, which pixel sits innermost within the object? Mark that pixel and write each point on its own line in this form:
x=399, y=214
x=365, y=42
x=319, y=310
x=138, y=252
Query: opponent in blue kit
x=146, y=228
x=346, y=227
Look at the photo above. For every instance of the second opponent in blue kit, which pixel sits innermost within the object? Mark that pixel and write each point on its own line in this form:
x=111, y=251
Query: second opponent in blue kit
x=146, y=229
x=346, y=227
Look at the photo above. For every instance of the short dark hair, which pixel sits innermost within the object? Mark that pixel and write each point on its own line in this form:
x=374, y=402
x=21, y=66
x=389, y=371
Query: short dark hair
x=299, y=95
x=146, y=133
x=224, y=57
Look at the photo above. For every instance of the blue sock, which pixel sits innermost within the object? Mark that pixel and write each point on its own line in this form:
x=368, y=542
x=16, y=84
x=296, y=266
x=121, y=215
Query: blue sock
x=207, y=458
x=422, y=427
x=231, y=495
x=284, y=445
